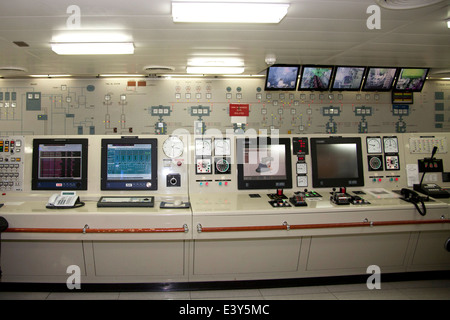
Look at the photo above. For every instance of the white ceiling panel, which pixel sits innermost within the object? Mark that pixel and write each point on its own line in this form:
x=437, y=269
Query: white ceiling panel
x=313, y=32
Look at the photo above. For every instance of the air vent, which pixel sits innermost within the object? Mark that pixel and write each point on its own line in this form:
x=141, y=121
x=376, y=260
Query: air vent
x=21, y=44
x=406, y=4
x=158, y=69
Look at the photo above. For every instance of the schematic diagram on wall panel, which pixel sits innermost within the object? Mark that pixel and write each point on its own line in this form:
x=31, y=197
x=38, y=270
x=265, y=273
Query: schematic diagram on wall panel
x=121, y=106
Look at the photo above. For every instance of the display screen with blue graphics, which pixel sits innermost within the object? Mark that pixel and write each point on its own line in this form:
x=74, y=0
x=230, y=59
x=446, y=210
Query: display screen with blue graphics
x=129, y=164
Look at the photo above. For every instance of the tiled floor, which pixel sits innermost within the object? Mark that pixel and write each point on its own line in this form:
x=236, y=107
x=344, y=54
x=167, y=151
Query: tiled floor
x=402, y=290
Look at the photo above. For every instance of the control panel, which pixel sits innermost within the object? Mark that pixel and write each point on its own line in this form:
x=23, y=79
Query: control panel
x=213, y=164
x=210, y=164
x=12, y=163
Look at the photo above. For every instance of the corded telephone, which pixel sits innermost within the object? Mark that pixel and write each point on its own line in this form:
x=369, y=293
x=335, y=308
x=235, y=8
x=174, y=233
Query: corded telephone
x=432, y=190
x=65, y=200
x=415, y=199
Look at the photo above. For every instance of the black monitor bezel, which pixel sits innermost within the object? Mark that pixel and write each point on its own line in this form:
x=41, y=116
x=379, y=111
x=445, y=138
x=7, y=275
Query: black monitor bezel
x=394, y=87
x=124, y=141
x=375, y=89
x=263, y=184
x=336, y=68
x=336, y=182
x=82, y=184
x=266, y=88
x=314, y=89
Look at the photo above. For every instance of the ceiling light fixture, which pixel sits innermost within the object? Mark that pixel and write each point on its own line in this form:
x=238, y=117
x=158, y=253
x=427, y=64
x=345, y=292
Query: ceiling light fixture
x=122, y=75
x=50, y=75
x=230, y=12
x=215, y=70
x=81, y=48
x=215, y=62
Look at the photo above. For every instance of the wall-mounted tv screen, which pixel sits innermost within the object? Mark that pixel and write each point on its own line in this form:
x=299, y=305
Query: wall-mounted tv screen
x=129, y=164
x=337, y=162
x=411, y=79
x=282, y=77
x=60, y=164
x=264, y=163
x=315, y=78
x=379, y=79
x=348, y=78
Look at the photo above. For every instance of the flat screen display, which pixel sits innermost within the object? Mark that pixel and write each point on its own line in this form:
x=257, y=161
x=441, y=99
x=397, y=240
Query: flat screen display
x=411, y=79
x=348, y=78
x=315, y=78
x=282, y=77
x=59, y=164
x=129, y=164
x=379, y=79
x=337, y=162
x=264, y=163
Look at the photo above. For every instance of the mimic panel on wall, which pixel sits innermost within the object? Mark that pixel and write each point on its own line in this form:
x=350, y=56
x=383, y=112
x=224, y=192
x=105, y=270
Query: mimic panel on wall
x=160, y=106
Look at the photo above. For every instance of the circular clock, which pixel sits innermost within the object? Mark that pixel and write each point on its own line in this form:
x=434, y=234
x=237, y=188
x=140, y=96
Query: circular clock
x=173, y=147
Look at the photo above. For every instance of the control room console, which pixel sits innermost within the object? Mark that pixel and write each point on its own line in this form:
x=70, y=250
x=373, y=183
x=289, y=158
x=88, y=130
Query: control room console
x=190, y=204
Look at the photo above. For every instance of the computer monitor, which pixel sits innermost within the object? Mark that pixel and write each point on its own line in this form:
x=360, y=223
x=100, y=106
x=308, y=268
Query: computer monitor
x=348, y=78
x=411, y=79
x=336, y=162
x=263, y=163
x=283, y=77
x=315, y=78
x=129, y=164
x=59, y=164
x=379, y=79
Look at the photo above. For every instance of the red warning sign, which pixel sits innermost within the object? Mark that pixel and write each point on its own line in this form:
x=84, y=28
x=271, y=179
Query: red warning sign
x=239, y=110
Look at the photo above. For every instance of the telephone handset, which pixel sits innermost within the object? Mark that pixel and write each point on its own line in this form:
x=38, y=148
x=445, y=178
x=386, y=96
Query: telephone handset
x=413, y=197
x=65, y=200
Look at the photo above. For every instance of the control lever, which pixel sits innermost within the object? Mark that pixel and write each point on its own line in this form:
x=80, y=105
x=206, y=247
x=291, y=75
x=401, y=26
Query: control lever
x=340, y=197
x=298, y=199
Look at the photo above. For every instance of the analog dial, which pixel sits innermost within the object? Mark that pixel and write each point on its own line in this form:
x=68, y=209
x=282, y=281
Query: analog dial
x=373, y=144
x=203, y=147
x=173, y=147
x=222, y=147
x=390, y=144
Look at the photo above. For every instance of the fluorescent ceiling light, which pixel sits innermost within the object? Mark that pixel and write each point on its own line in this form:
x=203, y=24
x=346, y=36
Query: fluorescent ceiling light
x=50, y=75
x=123, y=75
x=237, y=12
x=215, y=70
x=215, y=62
x=93, y=47
x=448, y=23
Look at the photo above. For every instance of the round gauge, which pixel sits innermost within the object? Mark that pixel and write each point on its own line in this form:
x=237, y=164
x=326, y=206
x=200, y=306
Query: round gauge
x=222, y=147
x=222, y=165
x=373, y=144
x=390, y=144
x=173, y=147
x=375, y=163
